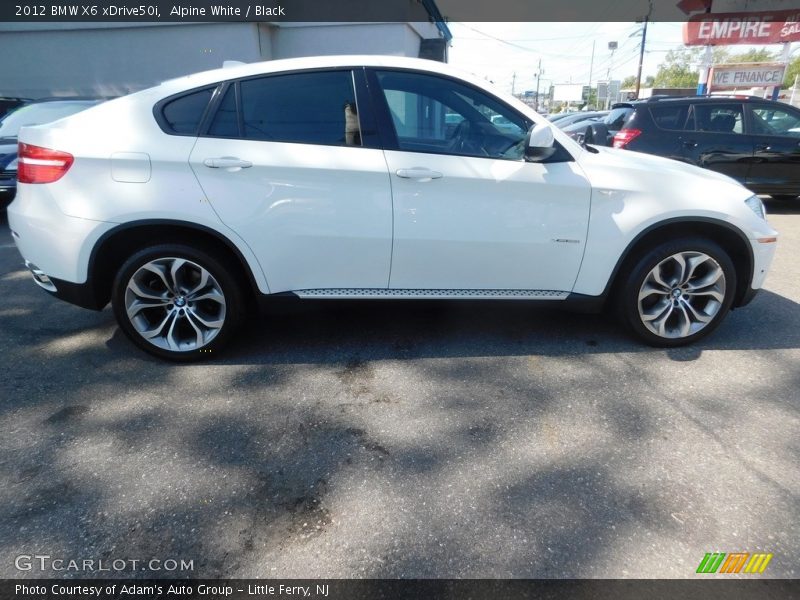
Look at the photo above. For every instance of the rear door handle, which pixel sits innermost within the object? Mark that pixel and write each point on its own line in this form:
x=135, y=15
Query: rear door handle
x=420, y=173
x=227, y=162
x=690, y=144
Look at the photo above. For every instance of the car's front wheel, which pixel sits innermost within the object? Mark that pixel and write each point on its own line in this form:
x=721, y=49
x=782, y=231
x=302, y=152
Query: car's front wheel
x=177, y=302
x=678, y=292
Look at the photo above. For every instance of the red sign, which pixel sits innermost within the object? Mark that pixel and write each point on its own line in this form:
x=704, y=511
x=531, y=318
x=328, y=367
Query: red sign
x=722, y=29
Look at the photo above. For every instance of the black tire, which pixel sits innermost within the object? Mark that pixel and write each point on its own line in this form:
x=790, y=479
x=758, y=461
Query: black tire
x=196, y=324
x=689, y=314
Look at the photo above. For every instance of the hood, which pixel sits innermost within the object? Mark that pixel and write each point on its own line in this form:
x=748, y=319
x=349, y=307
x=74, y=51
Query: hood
x=643, y=186
x=654, y=174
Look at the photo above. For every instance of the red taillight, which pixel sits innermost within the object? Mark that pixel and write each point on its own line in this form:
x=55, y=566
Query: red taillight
x=41, y=165
x=625, y=136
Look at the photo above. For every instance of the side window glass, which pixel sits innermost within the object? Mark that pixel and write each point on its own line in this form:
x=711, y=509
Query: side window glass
x=670, y=116
x=226, y=121
x=306, y=108
x=437, y=115
x=183, y=114
x=617, y=117
x=776, y=121
x=719, y=118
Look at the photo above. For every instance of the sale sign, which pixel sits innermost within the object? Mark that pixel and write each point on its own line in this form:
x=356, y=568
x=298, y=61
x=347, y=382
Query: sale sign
x=774, y=27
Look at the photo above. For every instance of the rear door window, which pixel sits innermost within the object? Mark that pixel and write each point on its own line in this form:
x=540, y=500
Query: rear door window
x=671, y=116
x=304, y=108
x=718, y=118
x=183, y=114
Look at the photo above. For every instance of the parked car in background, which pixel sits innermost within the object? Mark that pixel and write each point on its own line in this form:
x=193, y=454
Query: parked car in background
x=503, y=123
x=755, y=141
x=553, y=117
x=33, y=113
x=8, y=105
x=581, y=117
x=600, y=132
x=187, y=203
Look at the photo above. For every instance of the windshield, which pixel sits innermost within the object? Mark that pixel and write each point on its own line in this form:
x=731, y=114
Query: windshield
x=37, y=114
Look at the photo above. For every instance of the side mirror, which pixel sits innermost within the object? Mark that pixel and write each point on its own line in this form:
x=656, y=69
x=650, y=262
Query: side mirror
x=539, y=143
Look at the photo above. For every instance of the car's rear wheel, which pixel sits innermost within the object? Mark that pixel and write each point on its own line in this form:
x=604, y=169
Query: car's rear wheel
x=678, y=293
x=177, y=302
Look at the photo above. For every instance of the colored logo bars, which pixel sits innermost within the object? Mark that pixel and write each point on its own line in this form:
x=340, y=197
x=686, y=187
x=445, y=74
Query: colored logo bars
x=752, y=563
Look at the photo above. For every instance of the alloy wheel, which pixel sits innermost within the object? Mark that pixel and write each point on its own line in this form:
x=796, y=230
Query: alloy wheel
x=681, y=295
x=175, y=304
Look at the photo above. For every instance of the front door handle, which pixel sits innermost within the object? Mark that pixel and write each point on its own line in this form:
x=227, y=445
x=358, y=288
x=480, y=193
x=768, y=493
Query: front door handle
x=420, y=173
x=227, y=162
x=690, y=144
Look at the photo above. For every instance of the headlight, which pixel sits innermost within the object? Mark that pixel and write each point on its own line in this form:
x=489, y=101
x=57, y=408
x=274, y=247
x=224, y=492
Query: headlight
x=757, y=206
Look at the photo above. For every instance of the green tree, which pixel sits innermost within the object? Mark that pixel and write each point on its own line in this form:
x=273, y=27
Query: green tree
x=792, y=71
x=679, y=69
x=680, y=66
x=629, y=82
x=752, y=55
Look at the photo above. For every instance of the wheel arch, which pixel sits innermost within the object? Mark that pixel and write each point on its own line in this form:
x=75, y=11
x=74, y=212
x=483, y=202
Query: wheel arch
x=727, y=236
x=116, y=245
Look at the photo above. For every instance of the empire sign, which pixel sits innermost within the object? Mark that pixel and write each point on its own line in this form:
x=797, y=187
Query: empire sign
x=721, y=29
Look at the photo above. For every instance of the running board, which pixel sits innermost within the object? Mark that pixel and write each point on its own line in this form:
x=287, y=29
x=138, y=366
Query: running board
x=419, y=294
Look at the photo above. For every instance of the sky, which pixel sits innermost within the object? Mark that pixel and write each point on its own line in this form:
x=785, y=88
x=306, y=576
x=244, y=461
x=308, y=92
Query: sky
x=496, y=51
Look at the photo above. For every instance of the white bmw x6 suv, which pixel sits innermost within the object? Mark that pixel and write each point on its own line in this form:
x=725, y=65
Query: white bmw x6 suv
x=367, y=177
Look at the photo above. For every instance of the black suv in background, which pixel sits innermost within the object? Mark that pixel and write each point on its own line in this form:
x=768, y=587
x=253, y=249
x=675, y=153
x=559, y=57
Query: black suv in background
x=755, y=141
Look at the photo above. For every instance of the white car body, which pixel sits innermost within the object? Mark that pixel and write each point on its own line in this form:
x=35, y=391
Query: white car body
x=324, y=221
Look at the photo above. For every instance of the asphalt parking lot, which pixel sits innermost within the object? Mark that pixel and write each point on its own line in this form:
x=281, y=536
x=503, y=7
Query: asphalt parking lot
x=403, y=440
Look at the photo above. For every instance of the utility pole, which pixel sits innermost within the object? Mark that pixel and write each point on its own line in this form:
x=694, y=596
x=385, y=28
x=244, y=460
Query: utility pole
x=513, y=83
x=612, y=46
x=538, y=77
x=591, y=67
x=641, y=59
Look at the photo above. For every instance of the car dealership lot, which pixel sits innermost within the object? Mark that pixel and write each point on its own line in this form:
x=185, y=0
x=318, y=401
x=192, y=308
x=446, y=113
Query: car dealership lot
x=414, y=440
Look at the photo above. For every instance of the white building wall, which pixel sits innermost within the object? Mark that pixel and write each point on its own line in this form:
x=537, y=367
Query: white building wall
x=314, y=39
x=114, y=61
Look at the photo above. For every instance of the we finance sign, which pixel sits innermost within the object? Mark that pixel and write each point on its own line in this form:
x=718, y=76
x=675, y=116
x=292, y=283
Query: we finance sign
x=748, y=75
x=774, y=27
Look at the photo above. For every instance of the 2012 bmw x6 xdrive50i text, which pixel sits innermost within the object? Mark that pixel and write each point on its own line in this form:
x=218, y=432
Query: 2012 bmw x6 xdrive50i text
x=367, y=177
